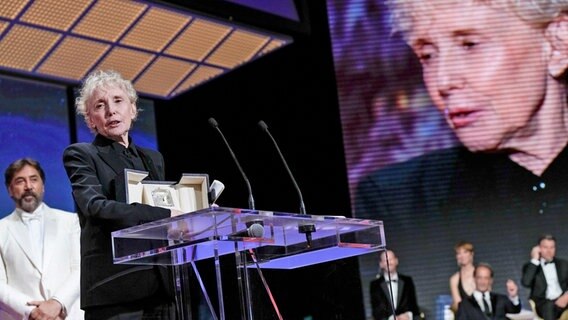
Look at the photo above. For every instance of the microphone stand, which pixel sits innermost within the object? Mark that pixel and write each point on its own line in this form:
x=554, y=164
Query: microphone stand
x=307, y=228
x=240, y=257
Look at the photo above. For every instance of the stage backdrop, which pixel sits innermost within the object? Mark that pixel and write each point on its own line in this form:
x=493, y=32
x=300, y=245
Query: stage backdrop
x=34, y=122
x=388, y=120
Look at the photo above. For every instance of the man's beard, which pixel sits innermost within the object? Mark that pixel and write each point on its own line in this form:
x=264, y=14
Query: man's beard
x=31, y=204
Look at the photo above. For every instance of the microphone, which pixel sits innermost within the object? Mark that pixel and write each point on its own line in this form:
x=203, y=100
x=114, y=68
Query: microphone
x=215, y=190
x=215, y=125
x=264, y=128
x=256, y=230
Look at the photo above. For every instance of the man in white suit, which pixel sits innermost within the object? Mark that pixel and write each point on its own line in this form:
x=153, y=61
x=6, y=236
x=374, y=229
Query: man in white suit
x=39, y=251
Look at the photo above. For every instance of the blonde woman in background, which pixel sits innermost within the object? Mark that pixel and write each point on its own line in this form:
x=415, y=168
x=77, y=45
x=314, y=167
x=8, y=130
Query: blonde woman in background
x=462, y=283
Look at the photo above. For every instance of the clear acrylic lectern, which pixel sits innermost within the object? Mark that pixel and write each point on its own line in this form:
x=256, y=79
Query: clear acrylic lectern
x=258, y=239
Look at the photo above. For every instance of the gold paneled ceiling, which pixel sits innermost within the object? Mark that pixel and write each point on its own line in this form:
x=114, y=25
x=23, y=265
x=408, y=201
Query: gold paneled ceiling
x=165, y=51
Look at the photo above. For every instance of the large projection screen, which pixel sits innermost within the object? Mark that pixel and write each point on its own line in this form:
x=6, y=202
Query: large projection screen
x=393, y=133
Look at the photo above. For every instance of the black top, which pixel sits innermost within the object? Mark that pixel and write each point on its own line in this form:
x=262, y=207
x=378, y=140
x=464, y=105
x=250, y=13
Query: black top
x=96, y=172
x=129, y=156
x=461, y=290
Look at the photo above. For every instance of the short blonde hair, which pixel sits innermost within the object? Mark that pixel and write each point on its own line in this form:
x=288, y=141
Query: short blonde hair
x=467, y=246
x=103, y=79
x=538, y=13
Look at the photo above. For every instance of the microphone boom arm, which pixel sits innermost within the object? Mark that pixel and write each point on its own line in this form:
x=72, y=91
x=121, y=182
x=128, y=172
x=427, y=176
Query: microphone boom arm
x=264, y=128
x=215, y=125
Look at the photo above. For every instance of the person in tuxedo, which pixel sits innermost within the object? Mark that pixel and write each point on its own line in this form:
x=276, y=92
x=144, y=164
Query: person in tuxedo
x=402, y=289
x=483, y=303
x=107, y=102
x=547, y=277
x=39, y=251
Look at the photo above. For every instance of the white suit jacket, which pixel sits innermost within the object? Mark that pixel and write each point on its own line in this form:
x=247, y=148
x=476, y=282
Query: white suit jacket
x=21, y=280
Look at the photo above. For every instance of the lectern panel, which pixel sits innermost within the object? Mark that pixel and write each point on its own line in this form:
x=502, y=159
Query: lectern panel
x=277, y=240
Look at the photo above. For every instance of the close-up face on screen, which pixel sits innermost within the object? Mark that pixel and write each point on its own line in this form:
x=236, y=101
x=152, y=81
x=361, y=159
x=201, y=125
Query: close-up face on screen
x=454, y=125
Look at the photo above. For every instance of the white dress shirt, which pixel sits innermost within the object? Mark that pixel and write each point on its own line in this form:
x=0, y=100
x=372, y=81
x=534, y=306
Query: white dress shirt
x=35, y=223
x=479, y=297
x=392, y=281
x=553, y=289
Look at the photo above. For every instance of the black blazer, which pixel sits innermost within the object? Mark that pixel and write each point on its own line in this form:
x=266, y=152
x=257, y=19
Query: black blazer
x=469, y=309
x=533, y=278
x=381, y=302
x=97, y=181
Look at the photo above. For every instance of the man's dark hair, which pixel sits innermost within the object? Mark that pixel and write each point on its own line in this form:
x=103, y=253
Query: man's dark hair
x=18, y=165
x=546, y=237
x=483, y=265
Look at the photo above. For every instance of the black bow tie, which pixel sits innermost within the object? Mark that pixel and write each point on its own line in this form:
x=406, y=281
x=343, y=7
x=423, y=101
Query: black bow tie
x=548, y=262
x=393, y=280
